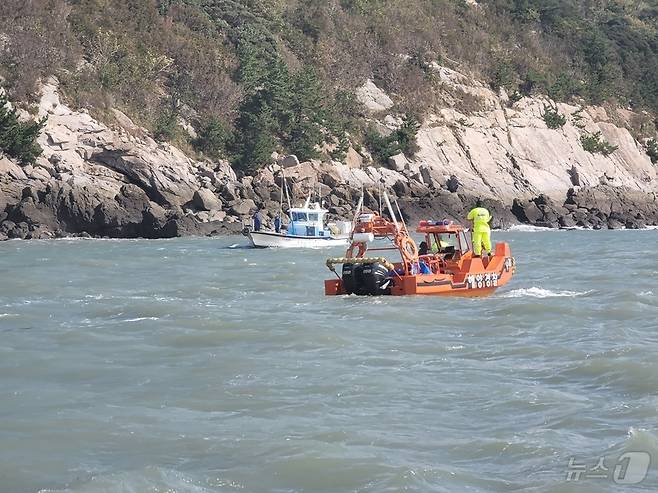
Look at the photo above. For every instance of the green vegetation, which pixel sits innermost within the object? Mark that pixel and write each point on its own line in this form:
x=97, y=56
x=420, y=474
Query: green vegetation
x=403, y=140
x=597, y=50
x=19, y=139
x=259, y=76
x=652, y=150
x=553, y=118
x=165, y=126
x=595, y=144
x=213, y=138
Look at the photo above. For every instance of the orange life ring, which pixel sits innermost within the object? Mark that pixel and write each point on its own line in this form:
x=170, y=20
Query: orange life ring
x=356, y=247
x=409, y=249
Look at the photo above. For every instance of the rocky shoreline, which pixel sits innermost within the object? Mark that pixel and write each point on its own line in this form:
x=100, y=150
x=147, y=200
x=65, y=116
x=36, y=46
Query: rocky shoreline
x=55, y=209
x=115, y=181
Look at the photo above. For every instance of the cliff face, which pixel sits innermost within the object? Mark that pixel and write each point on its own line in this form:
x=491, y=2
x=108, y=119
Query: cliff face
x=507, y=151
x=115, y=180
x=93, y=179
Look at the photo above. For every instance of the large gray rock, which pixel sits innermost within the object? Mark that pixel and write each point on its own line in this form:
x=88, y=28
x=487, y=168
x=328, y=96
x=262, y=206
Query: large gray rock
x=540, y=211
x=452, y=184
x=206, y=200
x=289, y=161
x=353, y=159
x=398, y=162
x=373, y=98
x=243, y=207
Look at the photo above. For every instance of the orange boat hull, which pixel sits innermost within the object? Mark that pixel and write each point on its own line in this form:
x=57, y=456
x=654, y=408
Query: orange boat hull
x=468, y=277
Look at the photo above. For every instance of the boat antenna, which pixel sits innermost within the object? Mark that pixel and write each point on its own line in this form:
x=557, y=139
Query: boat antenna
x=390, y=211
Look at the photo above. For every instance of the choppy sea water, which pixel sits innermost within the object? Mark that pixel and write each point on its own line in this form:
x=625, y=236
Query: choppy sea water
x=189, y=366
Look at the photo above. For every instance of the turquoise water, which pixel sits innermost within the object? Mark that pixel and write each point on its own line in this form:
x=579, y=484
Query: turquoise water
x=188, y=366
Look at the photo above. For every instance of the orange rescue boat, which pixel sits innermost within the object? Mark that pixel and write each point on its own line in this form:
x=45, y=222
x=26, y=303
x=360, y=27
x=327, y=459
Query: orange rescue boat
x=448, y=269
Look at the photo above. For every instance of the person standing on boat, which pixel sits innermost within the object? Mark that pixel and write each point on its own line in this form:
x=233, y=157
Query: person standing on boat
x=258, y=220
x=481, y=230
x=277, y=223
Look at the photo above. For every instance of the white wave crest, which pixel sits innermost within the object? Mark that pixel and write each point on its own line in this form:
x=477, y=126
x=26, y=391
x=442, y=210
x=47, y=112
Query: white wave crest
x=535, y=292
x=527, y=228
x=148, y=479
x=139, y=319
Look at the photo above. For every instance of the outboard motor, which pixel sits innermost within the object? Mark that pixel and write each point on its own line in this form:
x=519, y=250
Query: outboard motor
x=366, y=279
x=348, y=278
x=377, y=279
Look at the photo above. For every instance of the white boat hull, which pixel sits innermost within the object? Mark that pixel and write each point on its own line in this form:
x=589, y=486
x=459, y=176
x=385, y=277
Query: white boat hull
x=270, y=239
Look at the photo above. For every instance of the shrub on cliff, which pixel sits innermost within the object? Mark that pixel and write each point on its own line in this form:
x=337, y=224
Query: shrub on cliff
x=553, y=118
x=402, y=140
x=595, y=144
x=652, y=150
x=165, y=124
x=19, y=139
x=213, y=138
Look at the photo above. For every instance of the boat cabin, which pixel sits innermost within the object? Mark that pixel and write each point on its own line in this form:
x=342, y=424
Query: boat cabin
x=307, y=221
x=444, y=238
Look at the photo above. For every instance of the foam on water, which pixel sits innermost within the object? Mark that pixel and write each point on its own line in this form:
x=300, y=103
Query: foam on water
x=527, y=228
x=641, y=439
x=149, y=479
x=536, y=292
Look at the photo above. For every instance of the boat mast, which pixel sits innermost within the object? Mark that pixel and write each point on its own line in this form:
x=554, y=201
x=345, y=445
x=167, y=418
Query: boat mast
x=357, y=211
x=390, y=211
x=379, y=196
x=281, y=194
x=404, y=225
x=285, y=186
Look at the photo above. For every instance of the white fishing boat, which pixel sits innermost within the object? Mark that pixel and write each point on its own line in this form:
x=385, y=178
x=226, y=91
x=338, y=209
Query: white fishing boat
x=306, y=229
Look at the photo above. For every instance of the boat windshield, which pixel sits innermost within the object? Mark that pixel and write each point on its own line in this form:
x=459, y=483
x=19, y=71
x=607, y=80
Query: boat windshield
x=443, y=243
x=299, y=216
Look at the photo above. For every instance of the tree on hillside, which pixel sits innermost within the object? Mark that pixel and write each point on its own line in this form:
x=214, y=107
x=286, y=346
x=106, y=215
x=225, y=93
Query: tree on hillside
x=18, y=139
x=306, y=133
x=255, y=134
x=402, y=140
x=214, y=138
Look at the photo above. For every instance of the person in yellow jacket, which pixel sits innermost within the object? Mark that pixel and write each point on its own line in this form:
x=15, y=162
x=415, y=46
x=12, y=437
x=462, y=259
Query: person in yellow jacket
x=481, y=230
